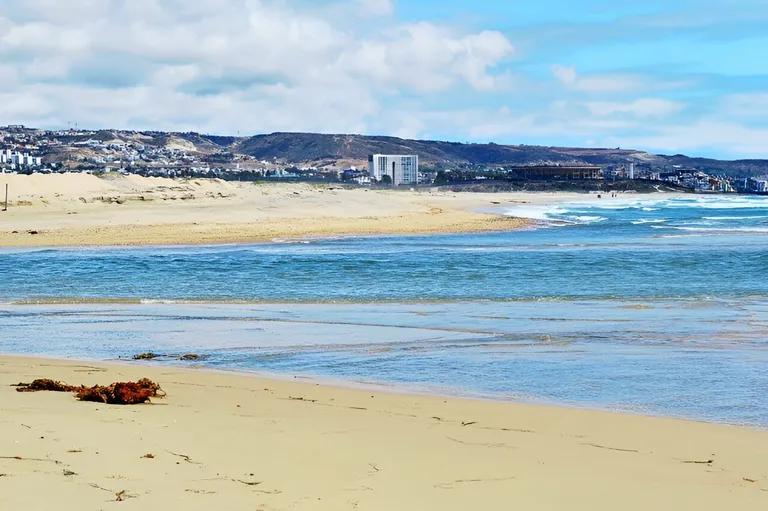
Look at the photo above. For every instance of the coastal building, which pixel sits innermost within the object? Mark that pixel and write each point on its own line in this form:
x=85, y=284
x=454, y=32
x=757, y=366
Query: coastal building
x=558, y=172
x=356, y=175
x=758, y=185
x=18, y=159
x=401, y=169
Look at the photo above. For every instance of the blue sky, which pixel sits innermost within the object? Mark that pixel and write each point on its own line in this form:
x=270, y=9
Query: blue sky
x=674, y=76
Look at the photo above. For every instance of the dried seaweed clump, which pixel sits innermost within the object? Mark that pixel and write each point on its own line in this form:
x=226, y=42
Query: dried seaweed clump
x=121, y=393
x=145, y=356
x=118, y=393
x=45, y=384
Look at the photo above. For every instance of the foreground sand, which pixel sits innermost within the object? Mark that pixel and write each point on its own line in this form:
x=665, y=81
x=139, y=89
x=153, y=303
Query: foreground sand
x=80, y=209
x=227, y=441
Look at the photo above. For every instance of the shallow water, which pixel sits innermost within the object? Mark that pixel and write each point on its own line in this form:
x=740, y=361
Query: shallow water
x=653, y=306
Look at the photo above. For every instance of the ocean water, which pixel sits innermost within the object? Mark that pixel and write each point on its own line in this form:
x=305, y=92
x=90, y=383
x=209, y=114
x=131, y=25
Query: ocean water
x=655, y=306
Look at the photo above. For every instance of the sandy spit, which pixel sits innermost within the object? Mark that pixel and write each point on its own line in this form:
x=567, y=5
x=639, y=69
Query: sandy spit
x=85, y=210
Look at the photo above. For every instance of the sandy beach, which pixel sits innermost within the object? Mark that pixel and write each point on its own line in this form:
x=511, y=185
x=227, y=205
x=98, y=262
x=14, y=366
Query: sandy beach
x=81, y=210
x=233, y=441
x=85, y=210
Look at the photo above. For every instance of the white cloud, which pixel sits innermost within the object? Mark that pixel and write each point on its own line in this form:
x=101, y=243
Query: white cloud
x=702, y=135
x=596, y=82
x=426, y=57
x=228, y=65
x=565, y=74
x=644, y=107
x=746, y=106
x=376, y=7
x=607, y=83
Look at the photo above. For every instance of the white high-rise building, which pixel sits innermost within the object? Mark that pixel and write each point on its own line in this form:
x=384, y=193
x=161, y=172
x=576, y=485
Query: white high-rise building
x=402, y=169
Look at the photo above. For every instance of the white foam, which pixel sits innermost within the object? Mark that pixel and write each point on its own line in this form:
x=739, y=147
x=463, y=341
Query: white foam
x=579, y=212
x=649, y=221
x=745, y=217
x=586, y=219
x=756, y=230
x=713, y=202
x=722, y=202
x=535, y=212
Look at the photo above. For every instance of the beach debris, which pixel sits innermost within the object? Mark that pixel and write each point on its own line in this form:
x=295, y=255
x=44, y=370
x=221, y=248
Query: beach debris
x=145, y=356
x=149, y=456
x=45, y=384
x=468, y=423
x=69, y=473
x=20, y=458
x=185, y=458
x=119, y=393
x=120, y=496
x=150, y=355
x=301, y=398
x=248, y=483
x=452, y=484
x=699, y=462
x=620, y=449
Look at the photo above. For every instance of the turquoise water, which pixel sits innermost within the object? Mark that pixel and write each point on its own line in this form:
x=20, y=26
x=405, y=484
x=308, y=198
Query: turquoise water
x=655, y=306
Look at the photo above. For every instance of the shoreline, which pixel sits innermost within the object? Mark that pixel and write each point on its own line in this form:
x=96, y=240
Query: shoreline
x=390, y=388
x=303, y=444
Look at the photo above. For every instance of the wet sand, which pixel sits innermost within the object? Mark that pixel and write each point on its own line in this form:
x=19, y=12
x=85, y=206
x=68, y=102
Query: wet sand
x=231, y=441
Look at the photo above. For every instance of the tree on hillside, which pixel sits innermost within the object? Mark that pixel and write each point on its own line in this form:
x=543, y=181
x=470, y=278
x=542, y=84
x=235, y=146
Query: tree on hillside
x=441, y=178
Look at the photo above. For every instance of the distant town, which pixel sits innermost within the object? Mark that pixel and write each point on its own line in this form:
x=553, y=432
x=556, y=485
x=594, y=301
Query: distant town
x=351, y=159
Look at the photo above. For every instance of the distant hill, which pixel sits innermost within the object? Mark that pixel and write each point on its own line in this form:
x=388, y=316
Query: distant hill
x=316, y=148
x=313, y=146
x=307, y=147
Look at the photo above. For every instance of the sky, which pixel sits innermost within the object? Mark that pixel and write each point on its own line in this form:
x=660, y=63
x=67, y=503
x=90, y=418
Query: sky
x=673, y=76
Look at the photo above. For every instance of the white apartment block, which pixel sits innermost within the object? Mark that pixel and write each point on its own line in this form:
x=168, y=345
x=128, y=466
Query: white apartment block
x=19, y=159
x=403, y=169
